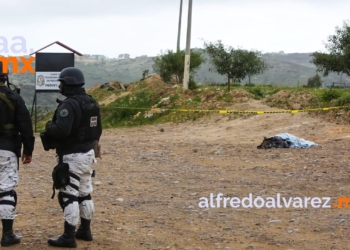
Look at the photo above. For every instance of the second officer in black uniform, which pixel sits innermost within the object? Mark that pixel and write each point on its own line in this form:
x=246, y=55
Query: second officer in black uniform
x=15, y=129
x=75, y=129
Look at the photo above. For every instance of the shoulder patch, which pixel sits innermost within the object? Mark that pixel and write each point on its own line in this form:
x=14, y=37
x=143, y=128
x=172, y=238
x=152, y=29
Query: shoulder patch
x=64, y=113
x=93, y=121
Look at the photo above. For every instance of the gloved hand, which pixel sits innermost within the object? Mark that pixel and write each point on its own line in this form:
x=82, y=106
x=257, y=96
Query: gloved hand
x=26, y=159
x=48, y=123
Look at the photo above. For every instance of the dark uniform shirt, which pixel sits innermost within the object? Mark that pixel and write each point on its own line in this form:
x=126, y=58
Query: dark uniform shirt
x=15, y=125
x=64, y=128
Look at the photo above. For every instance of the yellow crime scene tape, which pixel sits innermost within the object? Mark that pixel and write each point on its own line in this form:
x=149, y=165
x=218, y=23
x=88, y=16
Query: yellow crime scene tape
x=258, y=112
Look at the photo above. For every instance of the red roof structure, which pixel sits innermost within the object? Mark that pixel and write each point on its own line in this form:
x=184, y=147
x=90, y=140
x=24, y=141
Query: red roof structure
x=62, y=45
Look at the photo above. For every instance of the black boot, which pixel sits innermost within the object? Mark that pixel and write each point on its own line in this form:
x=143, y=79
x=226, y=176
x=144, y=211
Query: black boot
x=84, y=232
x=65, y=240
x=8, y=238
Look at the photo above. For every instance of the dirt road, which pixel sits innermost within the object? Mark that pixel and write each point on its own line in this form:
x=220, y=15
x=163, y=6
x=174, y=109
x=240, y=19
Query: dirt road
x=149, y=183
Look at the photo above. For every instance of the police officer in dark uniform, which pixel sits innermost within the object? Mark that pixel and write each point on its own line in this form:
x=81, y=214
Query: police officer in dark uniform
x=76, y=129
x=15, y=129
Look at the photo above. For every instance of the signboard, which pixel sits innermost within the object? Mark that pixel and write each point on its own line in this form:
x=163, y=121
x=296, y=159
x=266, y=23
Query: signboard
x=47, y=81
x=47, y=70
x=48, y=67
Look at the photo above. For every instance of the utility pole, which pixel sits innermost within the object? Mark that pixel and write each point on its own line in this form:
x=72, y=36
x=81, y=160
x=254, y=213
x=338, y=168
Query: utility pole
x=179, y=30
x=188, y=48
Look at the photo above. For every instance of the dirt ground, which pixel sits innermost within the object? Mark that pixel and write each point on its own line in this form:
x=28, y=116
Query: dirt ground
x=149, y=183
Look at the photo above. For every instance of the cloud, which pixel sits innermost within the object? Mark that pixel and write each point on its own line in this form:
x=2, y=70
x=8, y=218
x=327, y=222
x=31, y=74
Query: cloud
x=37, y=10
x=139, y=27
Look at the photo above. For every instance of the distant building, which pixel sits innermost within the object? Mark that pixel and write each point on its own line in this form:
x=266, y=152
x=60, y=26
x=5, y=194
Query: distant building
x=124, y=56
x=98, y=57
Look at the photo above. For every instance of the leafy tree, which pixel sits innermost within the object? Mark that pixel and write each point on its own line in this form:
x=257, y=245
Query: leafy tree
x=171, y=64
x=338, y=58
x=255, y=65
x=236, y=64
x=314, y=82
x=145, y=74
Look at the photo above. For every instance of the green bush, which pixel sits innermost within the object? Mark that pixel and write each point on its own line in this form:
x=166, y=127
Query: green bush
x=344, y=100
x=116, y=114
x=256, y=91
x=174, y=97
x=192, y=85
x=249, y=85
x=314, y=82
x=197, y=99
x=330, y=95
x=226, y=97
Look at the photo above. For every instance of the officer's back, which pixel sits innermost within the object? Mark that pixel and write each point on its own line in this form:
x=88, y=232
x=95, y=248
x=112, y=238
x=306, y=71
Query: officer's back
x=14, y=119
x=76, y=124
x=15, y=129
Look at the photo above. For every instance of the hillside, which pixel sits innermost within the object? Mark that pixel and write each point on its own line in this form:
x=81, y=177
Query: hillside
x=287, y=70
x=152, y=101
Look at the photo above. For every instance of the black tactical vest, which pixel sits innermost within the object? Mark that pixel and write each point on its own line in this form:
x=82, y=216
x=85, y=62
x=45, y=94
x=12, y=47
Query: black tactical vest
x=88, y=129
x=7, y=113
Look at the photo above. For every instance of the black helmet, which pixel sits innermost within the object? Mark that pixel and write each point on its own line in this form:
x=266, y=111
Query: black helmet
x=72, y=76
x=2, y=73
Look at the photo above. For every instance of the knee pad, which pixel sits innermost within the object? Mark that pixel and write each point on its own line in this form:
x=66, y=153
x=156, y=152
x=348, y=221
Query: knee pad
x=15, y=197
x=71, y=199
x=11, y=193
x=86, y=207
x=84, y=198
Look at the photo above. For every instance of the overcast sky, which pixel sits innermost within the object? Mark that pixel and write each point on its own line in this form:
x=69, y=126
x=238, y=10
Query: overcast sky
x=146, y=27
